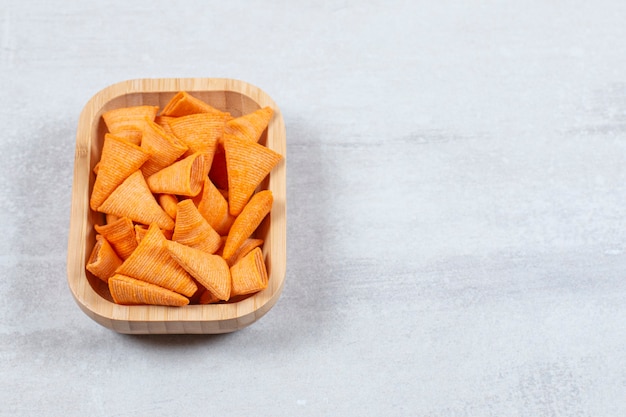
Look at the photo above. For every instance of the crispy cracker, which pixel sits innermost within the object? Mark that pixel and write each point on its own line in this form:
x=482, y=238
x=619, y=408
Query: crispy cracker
x=246, y=223
x=134, y=200
x=214, y=208
x=151, y=262
x=164, y=148
x=193, y=230
x=250, y=126
x=248, y=163
x=211, y=271
x=118, y=161
x=129, y=118
x=249, y=275
x=103, y=260
x=184, y=177
x=183, y=104
x=126, y=290
x=120, y=234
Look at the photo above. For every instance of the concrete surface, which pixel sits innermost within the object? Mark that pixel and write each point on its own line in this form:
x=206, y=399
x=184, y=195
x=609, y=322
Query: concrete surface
x=456, y=209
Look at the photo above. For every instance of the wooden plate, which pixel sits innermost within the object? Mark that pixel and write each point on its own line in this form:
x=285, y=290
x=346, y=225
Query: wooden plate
x=92, y=294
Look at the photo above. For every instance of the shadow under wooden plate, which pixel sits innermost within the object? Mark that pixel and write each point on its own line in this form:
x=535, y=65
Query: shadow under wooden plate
x=92, y=294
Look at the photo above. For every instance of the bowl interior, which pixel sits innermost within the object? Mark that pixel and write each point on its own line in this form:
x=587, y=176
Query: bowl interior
x=235, y=103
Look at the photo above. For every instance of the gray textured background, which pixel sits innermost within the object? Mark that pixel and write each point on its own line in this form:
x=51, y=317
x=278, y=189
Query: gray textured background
x=456, y=208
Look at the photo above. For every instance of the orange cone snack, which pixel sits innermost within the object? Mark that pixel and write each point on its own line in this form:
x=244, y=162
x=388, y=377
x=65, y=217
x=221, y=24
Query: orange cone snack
x=132, y=136
x=103, y=260
x=246, y=223
x=141, y=230
x=168, y=203
x=183, y=104
x=121, y=235
x=193, y=230
x=214, y=208
x=126, y=290
x=207, y=297
x=249, y=275
x=246, y=247
x=211, y=271
x=250, y=126
x=151, y=262
x=184, y=177
x=200, y=132
x=110, y=218
x=164, y=122
x=129, y=118
x=134, y=200
x=163, y=147
x=119, y=159
x=248, y=163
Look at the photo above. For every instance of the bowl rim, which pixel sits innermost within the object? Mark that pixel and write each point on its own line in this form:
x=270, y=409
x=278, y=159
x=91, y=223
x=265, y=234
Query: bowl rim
x=211, y=318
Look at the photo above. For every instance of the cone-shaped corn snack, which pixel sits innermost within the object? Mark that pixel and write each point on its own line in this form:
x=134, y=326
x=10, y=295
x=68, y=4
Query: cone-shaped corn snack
x=119, y=159
x=110, y=218
x=164, y=122
x=151, y=262
x=214, y=208
x=169, y=204
x=193, y=230
x=132, y=136
x=248, y=163
x=164, y=148
x=209, y=270
x=134, y=200
x=184, y=177
x=103, y=260
x=130, y=291
x=249, y=275
x=246, y=247
x=250, y=126
x=246, y=223
x=141, y=230
x=200, y=132
x=183, y=104
x=121, y=235
x=129, y=118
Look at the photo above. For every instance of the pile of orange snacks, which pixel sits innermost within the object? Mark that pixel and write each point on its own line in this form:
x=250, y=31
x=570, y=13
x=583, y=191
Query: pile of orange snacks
x=178, y=190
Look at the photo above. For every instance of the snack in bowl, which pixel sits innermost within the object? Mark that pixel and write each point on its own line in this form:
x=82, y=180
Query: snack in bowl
x=178, y=188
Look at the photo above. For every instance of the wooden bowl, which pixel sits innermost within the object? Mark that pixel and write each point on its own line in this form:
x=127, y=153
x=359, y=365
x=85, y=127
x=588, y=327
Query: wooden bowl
x=92, y=294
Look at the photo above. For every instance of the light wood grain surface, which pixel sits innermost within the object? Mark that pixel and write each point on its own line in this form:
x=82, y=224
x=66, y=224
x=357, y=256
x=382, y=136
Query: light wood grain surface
x=457, y=197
